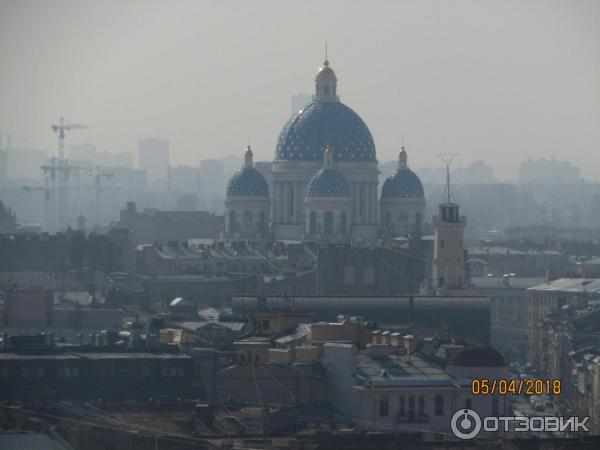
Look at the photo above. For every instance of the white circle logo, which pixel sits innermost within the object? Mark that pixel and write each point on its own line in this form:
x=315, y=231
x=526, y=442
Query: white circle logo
x=465, y=424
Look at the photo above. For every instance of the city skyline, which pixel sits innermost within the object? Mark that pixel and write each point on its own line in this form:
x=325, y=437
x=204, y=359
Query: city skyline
x=414, y=74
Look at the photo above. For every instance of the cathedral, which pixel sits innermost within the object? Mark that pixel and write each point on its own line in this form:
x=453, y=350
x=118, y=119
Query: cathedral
x=325, y=184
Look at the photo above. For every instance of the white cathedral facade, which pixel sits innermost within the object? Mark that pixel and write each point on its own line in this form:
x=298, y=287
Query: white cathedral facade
x=325, y=183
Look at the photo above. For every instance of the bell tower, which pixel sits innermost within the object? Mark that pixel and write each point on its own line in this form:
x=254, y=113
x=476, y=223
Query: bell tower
x=448, y=252
x=326, y=83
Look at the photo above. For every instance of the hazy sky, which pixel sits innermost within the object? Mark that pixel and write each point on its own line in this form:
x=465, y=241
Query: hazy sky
x=494, y=80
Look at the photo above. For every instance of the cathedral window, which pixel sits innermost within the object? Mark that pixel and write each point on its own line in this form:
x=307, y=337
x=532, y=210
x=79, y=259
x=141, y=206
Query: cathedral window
x=248, y=220
x=291, y=201
x=344, y=223
x=403, y=222
x=328, y=222
x=313, y=223
x=232, y=222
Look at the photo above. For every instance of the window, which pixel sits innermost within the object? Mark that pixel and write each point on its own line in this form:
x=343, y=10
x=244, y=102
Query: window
x=313, y=223
x=403, y=222
x=348, y=275
x=232, y=219
x=265, y=324
x=411, y=408
x=401, y=406
x=328, y=222
x=439, y=405
x=442, y=244
x=344, y=223
x=384, y=406
x=441, y=281
x=361, y=202
x=248, y=218
x=421, y=410
x=262, y=222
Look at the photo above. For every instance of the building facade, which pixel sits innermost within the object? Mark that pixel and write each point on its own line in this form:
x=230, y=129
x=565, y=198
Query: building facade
x=324, y=179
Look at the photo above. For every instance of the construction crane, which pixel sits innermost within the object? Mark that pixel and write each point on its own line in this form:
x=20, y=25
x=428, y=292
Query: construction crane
x=98, y=188
x=59, y=172
x=60, y=129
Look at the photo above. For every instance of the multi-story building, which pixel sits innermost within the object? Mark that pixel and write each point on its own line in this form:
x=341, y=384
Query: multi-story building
x=550, y=296
x=153, y=225
x=383, y=389
x=153, y=157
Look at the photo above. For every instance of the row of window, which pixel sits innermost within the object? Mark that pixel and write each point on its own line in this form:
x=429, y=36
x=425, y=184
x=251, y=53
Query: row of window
x=100, y=372
x=413, y=407
x=368, y=275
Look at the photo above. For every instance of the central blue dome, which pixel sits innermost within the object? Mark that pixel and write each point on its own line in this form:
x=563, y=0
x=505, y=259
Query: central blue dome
x=321, y=124
x=328, y=182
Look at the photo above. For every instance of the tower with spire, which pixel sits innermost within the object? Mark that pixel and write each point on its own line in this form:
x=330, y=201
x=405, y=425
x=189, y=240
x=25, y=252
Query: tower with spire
x=448, y=252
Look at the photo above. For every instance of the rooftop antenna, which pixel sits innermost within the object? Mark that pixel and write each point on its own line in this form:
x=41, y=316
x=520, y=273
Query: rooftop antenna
x=447, y=158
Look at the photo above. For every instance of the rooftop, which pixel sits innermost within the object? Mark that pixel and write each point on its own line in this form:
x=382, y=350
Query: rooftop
x=572, y=285
x=401, y=371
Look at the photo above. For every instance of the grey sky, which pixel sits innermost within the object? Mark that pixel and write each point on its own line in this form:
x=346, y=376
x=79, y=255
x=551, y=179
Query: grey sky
x=494, y=80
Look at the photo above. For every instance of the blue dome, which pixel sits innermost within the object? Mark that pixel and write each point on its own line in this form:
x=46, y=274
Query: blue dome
x=321, y=124
x=403, y=183
x=247, y=182
x=328, y=183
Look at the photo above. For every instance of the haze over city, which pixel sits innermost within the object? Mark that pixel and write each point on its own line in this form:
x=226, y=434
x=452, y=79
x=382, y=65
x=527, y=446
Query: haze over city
x=493, y=81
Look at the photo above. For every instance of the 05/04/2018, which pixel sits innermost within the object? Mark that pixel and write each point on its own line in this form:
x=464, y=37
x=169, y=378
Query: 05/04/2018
x=483, y=386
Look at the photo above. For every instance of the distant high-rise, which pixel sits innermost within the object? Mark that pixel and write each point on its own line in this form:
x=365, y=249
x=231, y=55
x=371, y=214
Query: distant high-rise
x=82, y=153
x=153, y=157
x=300, y=101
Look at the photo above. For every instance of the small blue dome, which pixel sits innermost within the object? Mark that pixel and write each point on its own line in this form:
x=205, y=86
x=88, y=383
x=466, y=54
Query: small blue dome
x=247, y=182
x=328, y=182
x=320, y=124
x=403, y=183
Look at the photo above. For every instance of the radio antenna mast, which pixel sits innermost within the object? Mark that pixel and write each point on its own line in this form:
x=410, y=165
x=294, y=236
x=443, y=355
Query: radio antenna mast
x=447, y=159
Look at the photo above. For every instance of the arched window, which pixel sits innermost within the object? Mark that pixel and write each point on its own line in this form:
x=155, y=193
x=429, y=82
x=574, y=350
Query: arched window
x=248, y=220
x=418, y=222
x=313, y=223
x=344, y=223
x=291, y=201
x=328, y=222
x=403, y=222
x=232, y=221
x=389, y=226
x=262, y=222
x=361, y=202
